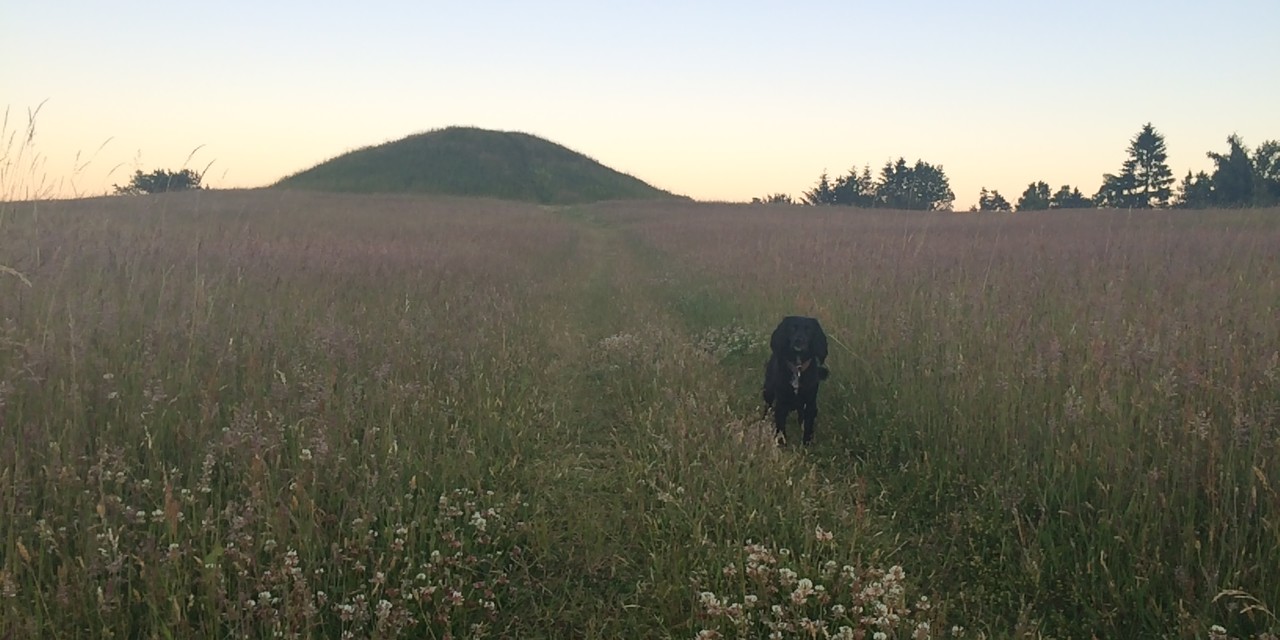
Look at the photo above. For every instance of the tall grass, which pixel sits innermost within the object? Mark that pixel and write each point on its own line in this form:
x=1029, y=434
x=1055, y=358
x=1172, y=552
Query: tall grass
x=278, y=414
x=270, y=413
x=1072, y=416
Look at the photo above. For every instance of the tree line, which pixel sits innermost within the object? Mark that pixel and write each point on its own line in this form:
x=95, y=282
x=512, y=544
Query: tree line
x=1240, y=178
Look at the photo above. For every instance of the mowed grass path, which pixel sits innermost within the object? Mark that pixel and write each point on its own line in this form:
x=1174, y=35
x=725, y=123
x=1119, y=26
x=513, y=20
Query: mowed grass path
x=276, y=414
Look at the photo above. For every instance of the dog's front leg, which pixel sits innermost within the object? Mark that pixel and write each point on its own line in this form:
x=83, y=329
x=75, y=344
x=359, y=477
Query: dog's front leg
x=780, y=412
x=808, y=416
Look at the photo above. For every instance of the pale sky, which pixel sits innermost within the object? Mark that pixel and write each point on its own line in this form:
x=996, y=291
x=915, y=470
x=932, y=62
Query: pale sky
x=715, y=100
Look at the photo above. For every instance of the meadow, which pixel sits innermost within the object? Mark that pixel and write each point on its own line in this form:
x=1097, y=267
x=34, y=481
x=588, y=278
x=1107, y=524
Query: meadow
x=279, y=414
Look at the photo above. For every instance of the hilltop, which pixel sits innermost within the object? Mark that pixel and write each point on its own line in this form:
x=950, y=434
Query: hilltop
x=467, y=161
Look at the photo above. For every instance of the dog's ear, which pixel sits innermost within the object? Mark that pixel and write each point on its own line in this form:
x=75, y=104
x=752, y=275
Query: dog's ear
x=780, y=337
x=818, y=341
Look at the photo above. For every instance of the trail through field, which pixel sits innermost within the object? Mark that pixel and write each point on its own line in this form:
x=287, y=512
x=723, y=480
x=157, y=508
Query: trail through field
x=617, y=361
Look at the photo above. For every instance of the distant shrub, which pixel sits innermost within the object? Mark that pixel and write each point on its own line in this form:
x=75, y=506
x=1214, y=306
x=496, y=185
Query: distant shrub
x=160, y=181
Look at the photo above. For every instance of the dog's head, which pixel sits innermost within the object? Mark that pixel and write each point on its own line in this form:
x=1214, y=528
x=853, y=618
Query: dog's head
x=799, y=337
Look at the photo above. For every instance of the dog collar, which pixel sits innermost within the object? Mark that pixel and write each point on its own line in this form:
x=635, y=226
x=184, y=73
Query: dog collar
x=797, y=369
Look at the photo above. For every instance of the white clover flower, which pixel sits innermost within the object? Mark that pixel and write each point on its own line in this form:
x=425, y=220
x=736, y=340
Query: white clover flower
x=305, y=455
x=803, y=590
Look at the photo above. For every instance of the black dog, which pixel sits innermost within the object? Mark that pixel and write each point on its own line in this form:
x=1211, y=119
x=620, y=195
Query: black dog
x=793, y=372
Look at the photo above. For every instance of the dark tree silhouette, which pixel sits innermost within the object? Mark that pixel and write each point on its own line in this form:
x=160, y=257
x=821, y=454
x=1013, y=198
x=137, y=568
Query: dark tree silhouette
x=923, y=187
x=160, y=181
x=1232, y=175
x=1195, y=191
x=1144, y=180
x=992, y=201
x=1035, y=198
x=854, y=189
x=1068, y=197
x=1266, y=171
x=774, y=198
x=821, y=193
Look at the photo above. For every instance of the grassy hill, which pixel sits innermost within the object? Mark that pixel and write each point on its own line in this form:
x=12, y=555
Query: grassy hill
x=467, y=161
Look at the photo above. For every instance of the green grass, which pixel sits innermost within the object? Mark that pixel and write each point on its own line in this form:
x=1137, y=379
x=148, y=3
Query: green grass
x=299, y=414
x=466, y=161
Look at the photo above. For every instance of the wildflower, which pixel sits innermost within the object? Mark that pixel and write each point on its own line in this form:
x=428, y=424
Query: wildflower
x=1217, y=632
x=710, y=603
x=879, y=635
x=921, y=632
x=708, y=634
x=823, y=535
x=802, y=592
x=305, y=455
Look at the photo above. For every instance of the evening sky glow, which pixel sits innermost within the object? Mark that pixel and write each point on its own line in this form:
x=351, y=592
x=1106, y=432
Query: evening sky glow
x=715, y=100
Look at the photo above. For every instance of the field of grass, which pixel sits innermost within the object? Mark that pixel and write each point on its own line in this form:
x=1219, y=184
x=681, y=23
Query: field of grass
x=278, y=414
